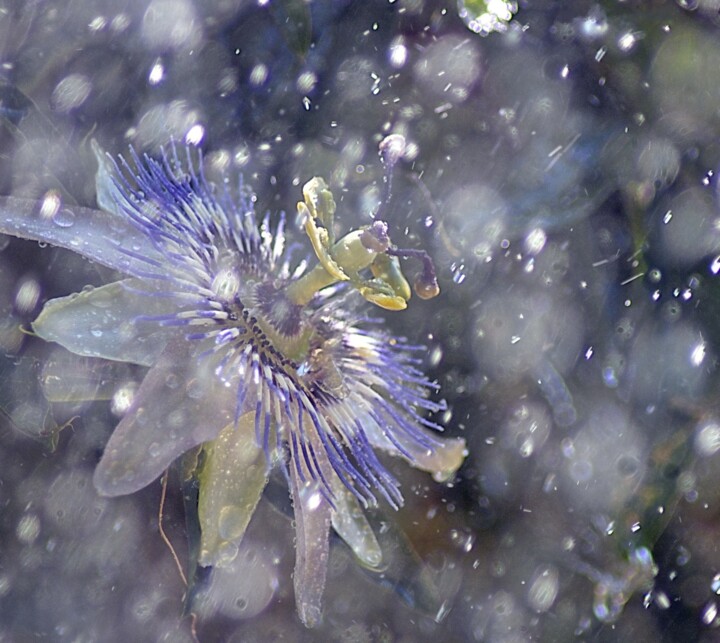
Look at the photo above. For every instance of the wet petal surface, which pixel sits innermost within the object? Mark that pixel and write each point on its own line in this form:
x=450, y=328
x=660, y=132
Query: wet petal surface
x=231, y=482
x=352, y=526
x=108, y=239
x=102, y=322
x=179, y=405
x=312, y=532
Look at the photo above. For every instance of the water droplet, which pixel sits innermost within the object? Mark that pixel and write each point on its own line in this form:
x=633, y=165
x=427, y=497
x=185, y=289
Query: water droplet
x=435, y=356
x=458, y=273
x=157, y=73
x=194, y=390
x=28, y=529
x=715, y=585
x=231, y=522
x=544, y=588
x=710, y=613
x=683, y=557
x=172, y=381
x=463, y=539
x=154, y=450
x=50, y=204
x=64, y=218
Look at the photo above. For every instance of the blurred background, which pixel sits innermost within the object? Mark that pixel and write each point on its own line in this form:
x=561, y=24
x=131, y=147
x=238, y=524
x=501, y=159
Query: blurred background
x=561, y=170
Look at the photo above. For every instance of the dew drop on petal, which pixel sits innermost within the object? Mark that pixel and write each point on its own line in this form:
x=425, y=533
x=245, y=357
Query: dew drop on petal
x=226, y=554
x=231, y=522
x=64, y=218
x=194, y=390
x=172, y=381
x=710, y=613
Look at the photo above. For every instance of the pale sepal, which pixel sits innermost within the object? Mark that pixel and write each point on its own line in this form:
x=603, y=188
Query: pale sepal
x=350, y=523
x=104, y=322
x=232, y=479
x=180, y=404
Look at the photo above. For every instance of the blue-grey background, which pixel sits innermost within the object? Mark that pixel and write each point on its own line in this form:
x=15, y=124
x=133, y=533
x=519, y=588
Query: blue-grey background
x=561, y=170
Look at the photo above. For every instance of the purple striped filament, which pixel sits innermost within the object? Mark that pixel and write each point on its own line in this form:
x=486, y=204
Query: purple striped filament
x=243, y=359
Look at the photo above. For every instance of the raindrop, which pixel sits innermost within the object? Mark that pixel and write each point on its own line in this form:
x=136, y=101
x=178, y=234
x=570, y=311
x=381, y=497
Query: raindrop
x=398, y=52
x=258, y=75
x=157, y=72
x=27, y=295
x=543, y=588
x=710, y=613
x=535, y=241
x=662, y=600
x=627, y=41
x=715, y=585
x=683, y=557
x=71, y=92
x=28, y=529
x=195, y=134
x=462, y=539
x=458, y=273
x=435, y=356
x=306, y=82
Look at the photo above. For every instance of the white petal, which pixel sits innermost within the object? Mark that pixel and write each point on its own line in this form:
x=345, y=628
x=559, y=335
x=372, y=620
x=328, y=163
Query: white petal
x=106, y=191
x=106, y=238
x=312, y=531
x=180, y=404
x=102, y=322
